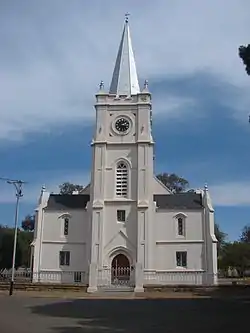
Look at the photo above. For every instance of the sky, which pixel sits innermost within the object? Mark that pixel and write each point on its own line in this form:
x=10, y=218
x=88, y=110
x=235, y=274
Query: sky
x=55, y=53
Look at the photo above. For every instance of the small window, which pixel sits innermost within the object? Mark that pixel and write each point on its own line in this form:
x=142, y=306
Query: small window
x=66, y=226
x=180, y=226
x=77, y=277
x=64, y=258
x=181, y=259
x=121, y=215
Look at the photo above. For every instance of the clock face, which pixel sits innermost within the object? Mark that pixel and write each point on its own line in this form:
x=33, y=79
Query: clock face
x=122, y=125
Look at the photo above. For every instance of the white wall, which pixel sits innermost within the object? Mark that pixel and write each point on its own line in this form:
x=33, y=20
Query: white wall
x=166, y=225
x=112, y=237
x=53, y=226
x=77, y=241
x=168, y=242
x=165, y=256
x=50, y=257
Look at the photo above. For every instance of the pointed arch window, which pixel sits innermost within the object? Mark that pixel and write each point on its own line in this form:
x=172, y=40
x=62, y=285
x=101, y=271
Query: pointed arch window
x=121, y=180
x=66, y=226
x=180, y=222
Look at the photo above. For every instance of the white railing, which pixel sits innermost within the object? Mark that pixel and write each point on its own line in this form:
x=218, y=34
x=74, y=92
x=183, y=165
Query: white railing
x=70, y=277
x=178, y=278
x=113, y=277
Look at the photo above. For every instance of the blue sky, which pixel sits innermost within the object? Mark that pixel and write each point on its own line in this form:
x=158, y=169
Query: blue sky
x=54, y=54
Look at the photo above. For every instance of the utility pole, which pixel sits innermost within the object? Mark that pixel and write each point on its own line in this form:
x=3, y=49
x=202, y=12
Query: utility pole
x=18, y=187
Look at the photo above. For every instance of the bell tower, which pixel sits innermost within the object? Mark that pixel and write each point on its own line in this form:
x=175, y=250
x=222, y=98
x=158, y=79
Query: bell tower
x=122, y=166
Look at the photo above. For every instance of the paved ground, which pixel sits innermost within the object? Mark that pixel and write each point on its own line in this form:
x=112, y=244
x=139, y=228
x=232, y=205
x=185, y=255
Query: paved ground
x=20, y=314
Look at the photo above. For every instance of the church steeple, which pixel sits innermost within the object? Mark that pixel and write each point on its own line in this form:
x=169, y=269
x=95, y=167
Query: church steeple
x=124, y=79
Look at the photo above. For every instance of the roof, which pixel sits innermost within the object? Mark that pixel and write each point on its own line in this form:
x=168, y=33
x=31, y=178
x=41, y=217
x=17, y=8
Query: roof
x=67, y=201
x=187, y=200
x=124, y=80
x=85, y=190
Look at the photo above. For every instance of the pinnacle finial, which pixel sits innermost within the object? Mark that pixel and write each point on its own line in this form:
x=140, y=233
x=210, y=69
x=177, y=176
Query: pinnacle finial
x=43, y=188
x=205, y=187
x=101, y=85
x=146, y=84
x=126, y=17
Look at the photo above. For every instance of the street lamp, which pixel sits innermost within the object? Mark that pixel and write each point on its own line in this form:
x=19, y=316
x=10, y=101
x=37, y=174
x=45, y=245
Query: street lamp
x=18, y=187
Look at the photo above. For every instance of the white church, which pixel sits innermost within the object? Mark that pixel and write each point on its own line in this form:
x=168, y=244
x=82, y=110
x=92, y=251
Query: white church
x=125, y=228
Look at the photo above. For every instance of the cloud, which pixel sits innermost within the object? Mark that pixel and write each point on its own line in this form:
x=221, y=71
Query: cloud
x=31, y=190
x=54, y=53
x=230, y=194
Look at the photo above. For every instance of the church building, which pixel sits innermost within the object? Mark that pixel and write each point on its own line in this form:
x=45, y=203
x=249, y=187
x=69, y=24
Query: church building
x=126, y=228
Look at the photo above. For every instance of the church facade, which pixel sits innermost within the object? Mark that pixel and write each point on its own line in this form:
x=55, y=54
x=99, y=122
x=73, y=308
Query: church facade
x=125, y=227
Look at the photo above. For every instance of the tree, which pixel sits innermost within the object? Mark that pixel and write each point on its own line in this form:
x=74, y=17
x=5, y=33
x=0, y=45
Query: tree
x=69, y=188
x=6, y=248
x=221, y=238
x=28, y=223
x=236, y=255
x=244, y=54
x=25, y=239
x=245, y=235
x=173, y=182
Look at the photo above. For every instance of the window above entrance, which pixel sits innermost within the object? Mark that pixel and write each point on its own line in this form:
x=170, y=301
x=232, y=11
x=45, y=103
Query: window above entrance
x=121, y=215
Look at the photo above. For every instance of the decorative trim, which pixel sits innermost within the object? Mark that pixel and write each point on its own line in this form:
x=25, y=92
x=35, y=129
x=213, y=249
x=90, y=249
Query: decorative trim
x=62, y=242
x=181, y=241
x=122, y=159
x=64, y=215
x=119, y=199
x=169, y=210
x=175, y=270
x=180, y=214
x=120, y=250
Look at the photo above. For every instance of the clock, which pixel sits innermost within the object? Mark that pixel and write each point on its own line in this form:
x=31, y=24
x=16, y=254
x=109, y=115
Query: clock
x=122, y=125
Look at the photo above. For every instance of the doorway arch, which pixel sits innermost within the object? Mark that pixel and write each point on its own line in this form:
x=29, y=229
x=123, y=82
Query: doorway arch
x=120, y=268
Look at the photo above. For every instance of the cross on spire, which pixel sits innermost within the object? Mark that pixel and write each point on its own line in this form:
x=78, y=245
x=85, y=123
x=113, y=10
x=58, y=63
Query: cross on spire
x=126, y=17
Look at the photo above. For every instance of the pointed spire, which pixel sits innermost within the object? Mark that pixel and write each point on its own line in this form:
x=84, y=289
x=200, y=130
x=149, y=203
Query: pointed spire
x=124, y=79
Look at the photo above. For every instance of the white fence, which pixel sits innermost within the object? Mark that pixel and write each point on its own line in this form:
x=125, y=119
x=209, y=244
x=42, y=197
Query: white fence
x=70, y=277
x=113, y=277
x=179, y=278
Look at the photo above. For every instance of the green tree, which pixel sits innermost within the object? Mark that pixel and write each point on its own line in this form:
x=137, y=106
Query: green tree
x=245, y=234
x=6, y=248
x=69, y=188
x=173, y=182
x=221, y=238
x=236, y=255
x=25, y=239
x=28, y=223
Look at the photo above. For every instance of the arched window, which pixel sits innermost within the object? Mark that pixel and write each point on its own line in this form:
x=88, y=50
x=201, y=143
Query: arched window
x=121, y=180
x=66, y=226
x=180, y=222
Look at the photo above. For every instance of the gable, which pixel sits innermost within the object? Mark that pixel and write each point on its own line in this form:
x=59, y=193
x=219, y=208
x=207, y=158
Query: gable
x=159, y=187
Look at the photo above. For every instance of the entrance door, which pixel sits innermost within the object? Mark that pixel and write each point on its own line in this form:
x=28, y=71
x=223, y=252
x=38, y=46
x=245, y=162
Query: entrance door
x=120, y=269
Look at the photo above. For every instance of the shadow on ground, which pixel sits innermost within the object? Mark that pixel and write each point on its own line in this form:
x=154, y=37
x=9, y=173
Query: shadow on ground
x=161, y=315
